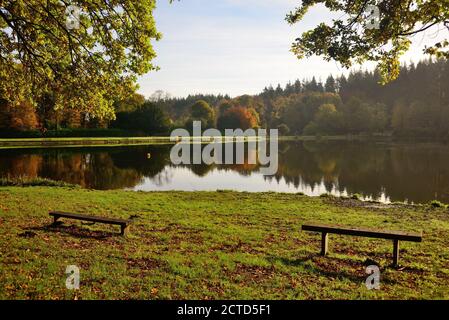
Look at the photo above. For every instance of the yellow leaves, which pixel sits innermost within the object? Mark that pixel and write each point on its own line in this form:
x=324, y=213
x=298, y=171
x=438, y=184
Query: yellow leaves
x=350, y=42
x=85, y=68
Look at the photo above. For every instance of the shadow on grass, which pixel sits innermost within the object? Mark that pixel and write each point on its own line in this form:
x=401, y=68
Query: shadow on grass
x=330, y=267
x=76, y=231
x=292, y=262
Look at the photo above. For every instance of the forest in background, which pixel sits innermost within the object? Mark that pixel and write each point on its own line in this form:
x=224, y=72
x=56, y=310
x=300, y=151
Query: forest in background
x=415, y=104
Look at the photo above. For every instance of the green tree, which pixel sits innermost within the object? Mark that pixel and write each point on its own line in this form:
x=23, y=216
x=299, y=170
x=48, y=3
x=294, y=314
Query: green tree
x=330, y=85
x=360, y=116
x=202, y=111
x=131, y=103
x=224, y=105
x=87, y=63
x=326, y=121
x=149, y=119
x=346, y=42
x=300, y=109
x=312, y=85
x=327, y=118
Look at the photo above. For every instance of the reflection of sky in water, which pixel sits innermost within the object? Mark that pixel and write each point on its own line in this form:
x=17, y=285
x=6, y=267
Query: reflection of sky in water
x=183, y=179
x=387, y=172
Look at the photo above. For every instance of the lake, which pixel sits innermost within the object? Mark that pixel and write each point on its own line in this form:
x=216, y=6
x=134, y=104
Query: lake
x=385, y=171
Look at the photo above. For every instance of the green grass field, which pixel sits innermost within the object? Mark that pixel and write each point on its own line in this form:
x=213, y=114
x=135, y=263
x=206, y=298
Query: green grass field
x=213, y=245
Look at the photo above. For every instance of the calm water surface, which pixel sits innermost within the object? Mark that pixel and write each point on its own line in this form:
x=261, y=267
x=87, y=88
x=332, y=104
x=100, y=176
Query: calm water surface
x=381, y=171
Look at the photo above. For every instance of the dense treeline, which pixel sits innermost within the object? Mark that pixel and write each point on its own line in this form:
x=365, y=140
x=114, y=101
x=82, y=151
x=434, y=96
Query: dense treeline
x=415, y=104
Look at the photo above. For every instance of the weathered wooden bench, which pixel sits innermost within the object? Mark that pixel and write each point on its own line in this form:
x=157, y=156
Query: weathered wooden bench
x=396, y=236
x=124, y=224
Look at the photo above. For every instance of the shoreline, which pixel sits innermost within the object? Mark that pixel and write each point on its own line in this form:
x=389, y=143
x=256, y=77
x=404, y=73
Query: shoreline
x=44, y=182
x=130, y=141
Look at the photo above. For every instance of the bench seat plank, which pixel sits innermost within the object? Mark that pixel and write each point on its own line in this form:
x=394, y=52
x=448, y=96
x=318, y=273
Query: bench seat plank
x=124, y=224
x=396, y=236
x=381, y=234
x=78, y=216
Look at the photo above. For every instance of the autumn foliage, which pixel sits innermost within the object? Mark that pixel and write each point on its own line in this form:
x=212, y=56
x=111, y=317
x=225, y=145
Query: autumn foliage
x=238, y=117
x=19, y=117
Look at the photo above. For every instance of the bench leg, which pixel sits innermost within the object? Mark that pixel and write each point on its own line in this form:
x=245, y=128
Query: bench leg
x=124, y=230
x=324, y=243
x=55, y=219
x=395, y=253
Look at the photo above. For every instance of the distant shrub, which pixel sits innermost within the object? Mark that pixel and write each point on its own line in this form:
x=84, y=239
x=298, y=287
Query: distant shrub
x=437, y=204
x=224, y=190
x=327, y=195
x=356, y=196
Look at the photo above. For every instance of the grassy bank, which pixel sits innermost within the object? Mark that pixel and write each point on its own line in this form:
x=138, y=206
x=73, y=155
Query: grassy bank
x=123, y=141
x=96, y=142
x=81, y=142
x=209, y=245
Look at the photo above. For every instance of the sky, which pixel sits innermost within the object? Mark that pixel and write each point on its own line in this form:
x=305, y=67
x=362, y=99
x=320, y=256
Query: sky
x=237, y=47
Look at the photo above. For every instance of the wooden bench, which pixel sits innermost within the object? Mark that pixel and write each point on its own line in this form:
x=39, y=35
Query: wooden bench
x=396, y=236
x=124, y=224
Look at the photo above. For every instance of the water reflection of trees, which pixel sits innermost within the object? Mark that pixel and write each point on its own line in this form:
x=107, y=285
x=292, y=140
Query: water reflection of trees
x=245, y=169
x=163, y=178
x=88, y=168
x=403, y=171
